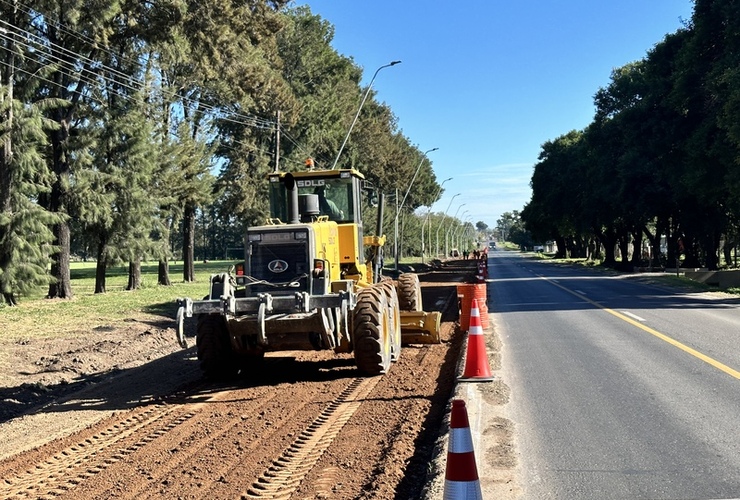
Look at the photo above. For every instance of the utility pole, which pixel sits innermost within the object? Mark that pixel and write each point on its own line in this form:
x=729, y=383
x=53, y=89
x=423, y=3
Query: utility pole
x=277, y=143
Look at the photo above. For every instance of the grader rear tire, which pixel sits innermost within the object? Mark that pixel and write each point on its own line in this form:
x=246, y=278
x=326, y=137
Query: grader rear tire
x=371, y=330
x=409, y=292
x=394, y=310
x=217, y=359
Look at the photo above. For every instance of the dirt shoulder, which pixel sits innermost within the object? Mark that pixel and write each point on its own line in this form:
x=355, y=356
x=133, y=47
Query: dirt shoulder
x=51, y=386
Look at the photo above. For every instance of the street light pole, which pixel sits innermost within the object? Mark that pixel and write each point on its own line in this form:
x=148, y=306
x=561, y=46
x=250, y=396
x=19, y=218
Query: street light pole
x=443, y=221
x=398, y=208
x=460, y=231
x=364, y=98
x=447, y=233
x=457, y=228
x=427, y=218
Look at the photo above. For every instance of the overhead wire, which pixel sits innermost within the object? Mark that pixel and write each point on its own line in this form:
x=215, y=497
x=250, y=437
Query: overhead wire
x=235, y=143
x=99, y=73
x=259, y=121
x=61, y=27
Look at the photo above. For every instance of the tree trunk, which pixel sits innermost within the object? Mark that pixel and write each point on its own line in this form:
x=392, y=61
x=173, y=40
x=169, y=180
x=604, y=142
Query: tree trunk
x=188, y=244
x=61, y=286
x=624, y=246
x=134, y=274
x=727, y=251
x=163, y=272
x=579, y=248
x=9, y=299
x=712, y=257
x=654, y=239
x=560, y=242
x=608, y=240
x=5, y=202
x=102, y=265
x=595, y=249
x=636, y=248
x=691, y=254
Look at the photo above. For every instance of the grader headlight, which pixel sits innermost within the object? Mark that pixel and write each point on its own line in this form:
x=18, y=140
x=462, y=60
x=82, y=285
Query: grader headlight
x=318, y=268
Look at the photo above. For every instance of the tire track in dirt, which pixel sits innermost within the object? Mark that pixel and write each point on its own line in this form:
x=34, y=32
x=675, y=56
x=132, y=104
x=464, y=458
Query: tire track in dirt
x=65, y=470
x=186, y=429
x=286, y=473
x=216, y=441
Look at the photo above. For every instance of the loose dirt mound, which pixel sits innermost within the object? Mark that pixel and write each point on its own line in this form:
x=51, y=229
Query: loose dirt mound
x=37, y=371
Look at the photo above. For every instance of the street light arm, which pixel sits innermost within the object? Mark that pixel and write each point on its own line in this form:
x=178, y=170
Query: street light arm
x=416, y=172
x=362, y=103
x=444, y=215
x=399, y=207
x=461, y=222
x=439, y=190
x=454, y=217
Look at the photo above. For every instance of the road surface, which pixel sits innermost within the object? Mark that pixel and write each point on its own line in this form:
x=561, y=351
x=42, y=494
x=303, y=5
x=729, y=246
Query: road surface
x=620, y=389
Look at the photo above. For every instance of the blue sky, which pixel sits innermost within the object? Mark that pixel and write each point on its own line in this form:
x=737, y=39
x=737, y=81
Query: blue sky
x=488, y=82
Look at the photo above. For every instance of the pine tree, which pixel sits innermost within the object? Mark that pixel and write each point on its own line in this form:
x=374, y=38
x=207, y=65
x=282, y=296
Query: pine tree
x=25, y=234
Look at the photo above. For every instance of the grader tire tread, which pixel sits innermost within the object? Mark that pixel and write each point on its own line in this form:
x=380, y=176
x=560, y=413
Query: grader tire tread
x=409, y=292
x=217, y=360
x=394, y=310
x=369, y=324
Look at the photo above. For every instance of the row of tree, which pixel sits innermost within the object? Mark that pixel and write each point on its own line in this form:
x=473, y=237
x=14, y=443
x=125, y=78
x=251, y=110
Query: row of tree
x=122, y=122
x=661, y=158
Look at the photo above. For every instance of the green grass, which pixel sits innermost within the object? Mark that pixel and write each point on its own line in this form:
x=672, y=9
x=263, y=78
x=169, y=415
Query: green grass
x=507, y=245
x=39, y=317
x=683, y=283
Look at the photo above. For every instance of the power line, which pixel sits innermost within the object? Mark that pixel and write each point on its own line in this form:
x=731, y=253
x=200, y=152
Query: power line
x=231, y=147
x=258, y=122
x=105, y=75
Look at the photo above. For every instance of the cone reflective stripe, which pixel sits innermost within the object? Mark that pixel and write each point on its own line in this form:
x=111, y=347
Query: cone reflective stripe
x=461, y=475
x=477, y=368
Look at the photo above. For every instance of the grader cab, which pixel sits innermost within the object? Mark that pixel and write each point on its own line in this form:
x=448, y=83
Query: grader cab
x=310, y=280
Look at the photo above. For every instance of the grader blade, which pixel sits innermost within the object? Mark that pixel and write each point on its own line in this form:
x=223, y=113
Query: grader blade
x=419, y=327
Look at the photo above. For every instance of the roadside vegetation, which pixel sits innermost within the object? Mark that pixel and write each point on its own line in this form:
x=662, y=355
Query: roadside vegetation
x=656, y=172
x=38, y=317
x=664, y=278
x=143, y=132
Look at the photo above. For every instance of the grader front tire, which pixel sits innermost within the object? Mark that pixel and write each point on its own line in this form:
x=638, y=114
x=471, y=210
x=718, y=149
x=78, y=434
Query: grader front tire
x=371, y=330
x=217, y=359
x=409, y=292
x=394, y=311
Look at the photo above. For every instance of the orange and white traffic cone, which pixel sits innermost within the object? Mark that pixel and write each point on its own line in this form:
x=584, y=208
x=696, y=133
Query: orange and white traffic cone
x=477, y=368
x=461, y=474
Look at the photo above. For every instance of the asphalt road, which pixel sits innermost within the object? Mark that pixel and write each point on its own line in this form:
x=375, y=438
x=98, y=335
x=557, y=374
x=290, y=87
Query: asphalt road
x=620, y=389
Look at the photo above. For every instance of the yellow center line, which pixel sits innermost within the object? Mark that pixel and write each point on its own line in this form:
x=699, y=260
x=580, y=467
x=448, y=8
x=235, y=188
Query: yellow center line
x=711, y=361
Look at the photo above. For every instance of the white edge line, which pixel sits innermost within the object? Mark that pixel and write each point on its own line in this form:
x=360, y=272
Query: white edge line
x=633, y=316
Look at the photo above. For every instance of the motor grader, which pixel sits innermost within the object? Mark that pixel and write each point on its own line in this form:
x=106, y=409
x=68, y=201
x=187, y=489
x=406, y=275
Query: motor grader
x=310, y=280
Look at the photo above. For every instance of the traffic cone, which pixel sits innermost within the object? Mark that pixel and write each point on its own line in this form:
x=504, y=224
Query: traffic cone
x=461, y=475
x=477, y=368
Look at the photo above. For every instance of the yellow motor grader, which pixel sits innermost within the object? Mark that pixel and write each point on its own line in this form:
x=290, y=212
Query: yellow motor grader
x=310, y=280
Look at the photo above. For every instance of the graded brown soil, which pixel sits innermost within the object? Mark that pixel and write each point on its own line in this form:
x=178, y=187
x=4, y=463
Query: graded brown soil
x=125, y=413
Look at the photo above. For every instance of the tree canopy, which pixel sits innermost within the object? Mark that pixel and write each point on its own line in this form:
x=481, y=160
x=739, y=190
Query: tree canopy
x=655, y=175
x=135, y=131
